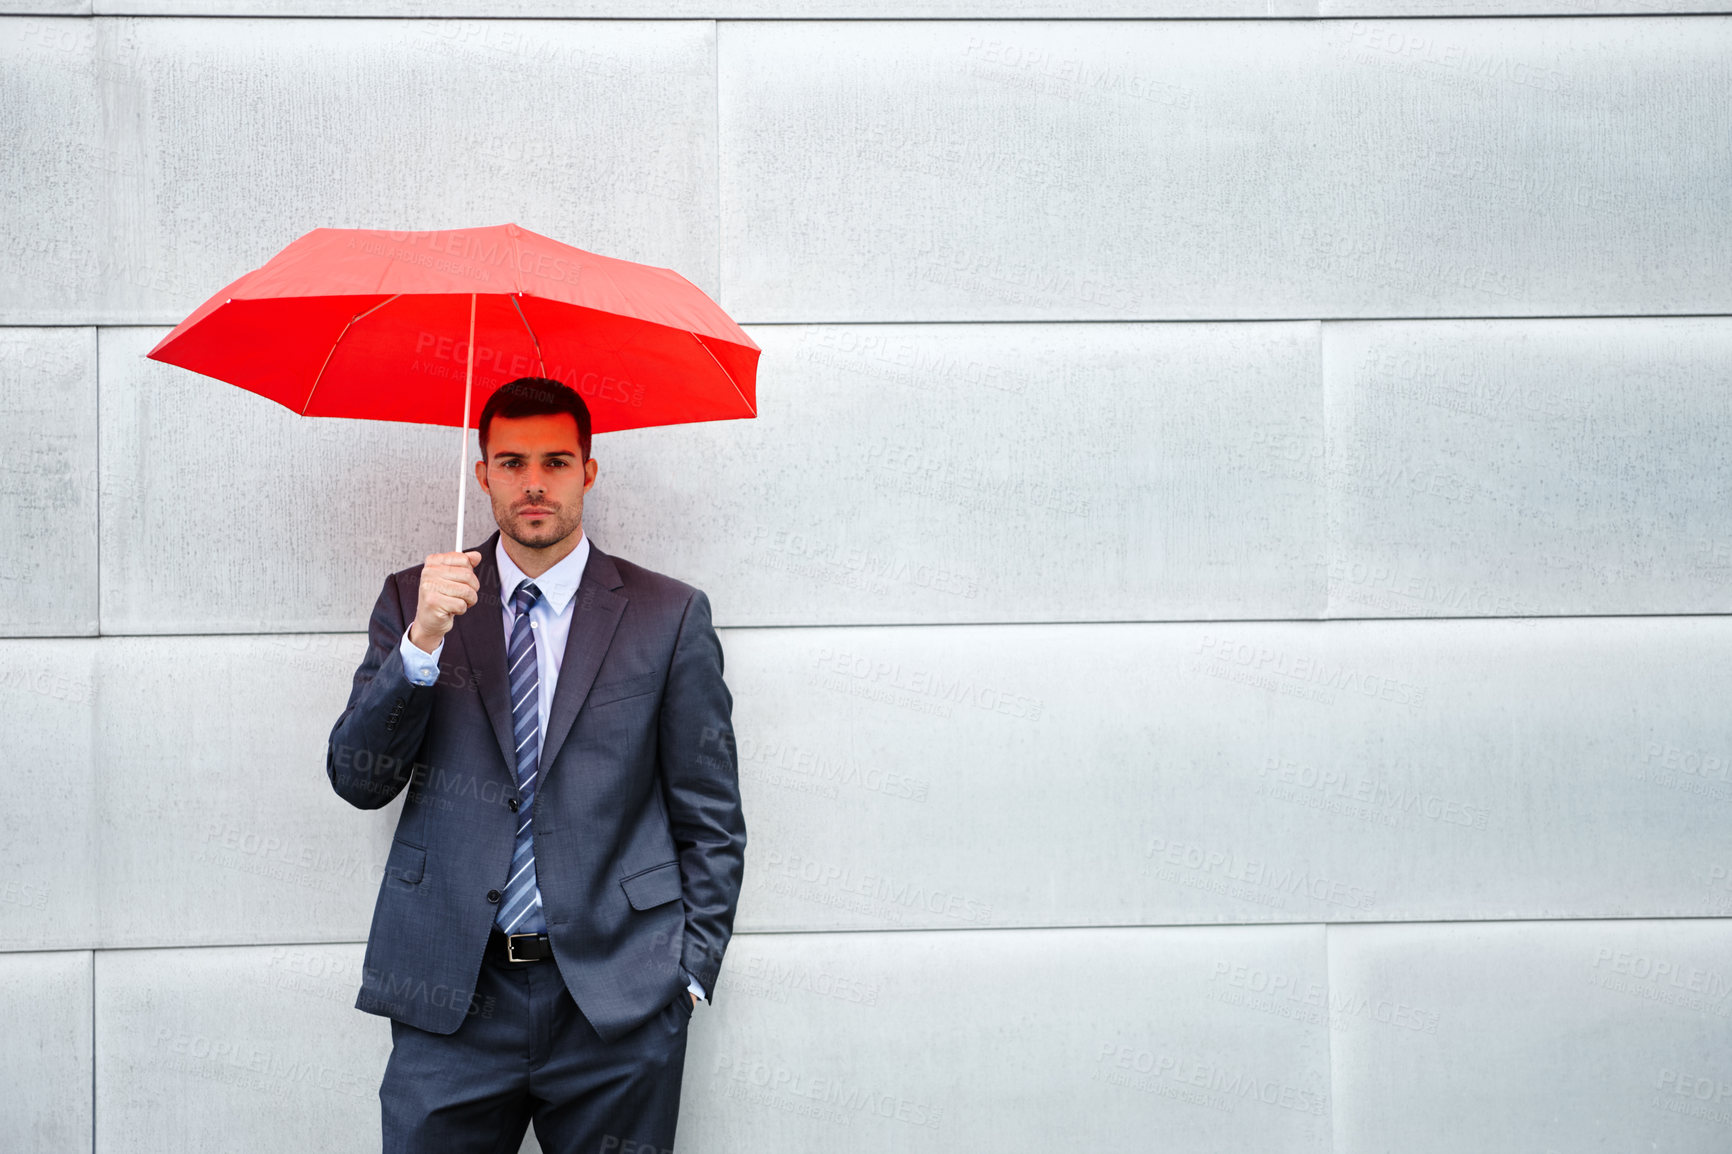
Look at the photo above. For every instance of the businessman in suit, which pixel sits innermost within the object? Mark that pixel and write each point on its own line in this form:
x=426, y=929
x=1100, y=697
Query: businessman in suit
x=563, y=879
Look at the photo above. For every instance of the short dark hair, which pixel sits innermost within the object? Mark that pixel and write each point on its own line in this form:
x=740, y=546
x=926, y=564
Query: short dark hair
x=533, y=397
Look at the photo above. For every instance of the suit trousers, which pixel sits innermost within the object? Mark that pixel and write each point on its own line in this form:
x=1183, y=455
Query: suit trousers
x=525, y=1053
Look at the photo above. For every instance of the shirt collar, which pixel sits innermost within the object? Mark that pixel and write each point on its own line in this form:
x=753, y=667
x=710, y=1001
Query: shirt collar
x=557, y=585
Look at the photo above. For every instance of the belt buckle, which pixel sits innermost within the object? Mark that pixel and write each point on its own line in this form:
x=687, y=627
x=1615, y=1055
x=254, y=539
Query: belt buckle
x=511, y=947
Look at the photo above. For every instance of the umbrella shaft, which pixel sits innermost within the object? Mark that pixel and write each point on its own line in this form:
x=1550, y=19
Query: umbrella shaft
x=463, y=432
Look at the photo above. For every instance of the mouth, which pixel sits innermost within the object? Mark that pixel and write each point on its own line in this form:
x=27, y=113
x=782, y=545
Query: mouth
x=535, y=511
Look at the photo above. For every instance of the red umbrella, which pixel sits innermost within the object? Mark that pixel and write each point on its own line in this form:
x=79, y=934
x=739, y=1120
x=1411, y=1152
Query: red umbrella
x=424, y=326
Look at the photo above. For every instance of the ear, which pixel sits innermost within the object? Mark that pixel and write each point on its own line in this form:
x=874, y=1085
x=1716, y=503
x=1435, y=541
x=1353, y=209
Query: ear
x=481, y=476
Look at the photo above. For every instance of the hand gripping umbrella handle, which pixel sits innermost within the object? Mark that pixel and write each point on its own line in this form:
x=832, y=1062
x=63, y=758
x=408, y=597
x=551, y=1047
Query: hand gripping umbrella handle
x=463, y=442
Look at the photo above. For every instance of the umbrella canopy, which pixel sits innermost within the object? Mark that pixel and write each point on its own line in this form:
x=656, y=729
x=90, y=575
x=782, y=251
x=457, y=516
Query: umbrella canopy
x=358, y=323
x=424, y=326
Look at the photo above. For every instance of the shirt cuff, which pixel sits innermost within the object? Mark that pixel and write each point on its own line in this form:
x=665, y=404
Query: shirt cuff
x=693, y=986
x=421, y=667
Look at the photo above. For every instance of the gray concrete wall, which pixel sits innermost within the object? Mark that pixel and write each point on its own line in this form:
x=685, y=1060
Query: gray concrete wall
x=1225, y=595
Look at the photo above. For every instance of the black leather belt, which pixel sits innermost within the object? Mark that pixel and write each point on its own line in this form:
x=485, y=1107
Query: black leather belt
x=518, y=947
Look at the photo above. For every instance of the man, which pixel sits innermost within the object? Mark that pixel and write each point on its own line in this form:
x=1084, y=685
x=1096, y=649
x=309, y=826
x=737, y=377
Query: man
x=564, y=874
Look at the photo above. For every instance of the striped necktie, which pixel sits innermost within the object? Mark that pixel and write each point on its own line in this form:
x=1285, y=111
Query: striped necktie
x=520, y=911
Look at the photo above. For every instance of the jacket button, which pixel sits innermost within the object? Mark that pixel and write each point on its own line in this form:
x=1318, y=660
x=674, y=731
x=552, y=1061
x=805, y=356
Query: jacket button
x=493, y=896
x=513, y=804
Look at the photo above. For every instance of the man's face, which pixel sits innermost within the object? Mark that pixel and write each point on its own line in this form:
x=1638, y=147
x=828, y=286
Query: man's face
x=536, y=477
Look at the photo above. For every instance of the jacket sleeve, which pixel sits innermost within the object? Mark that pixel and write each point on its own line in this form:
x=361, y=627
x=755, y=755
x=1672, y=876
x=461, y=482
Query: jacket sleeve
x=372, y=750
x=701, y=782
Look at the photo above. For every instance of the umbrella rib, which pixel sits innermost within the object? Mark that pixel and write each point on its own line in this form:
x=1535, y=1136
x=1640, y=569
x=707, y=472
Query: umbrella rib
x=537, y=340
x=729, y=376
x=333, y=349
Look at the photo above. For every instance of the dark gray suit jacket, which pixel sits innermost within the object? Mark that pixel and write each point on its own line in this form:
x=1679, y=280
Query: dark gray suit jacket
x=639, y=836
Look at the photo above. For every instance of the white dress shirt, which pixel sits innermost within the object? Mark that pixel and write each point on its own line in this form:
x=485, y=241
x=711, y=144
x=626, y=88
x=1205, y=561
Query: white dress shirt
x=550, y=618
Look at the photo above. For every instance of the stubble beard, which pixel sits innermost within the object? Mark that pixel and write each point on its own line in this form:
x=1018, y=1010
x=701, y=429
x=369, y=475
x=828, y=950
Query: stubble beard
x=554, y=529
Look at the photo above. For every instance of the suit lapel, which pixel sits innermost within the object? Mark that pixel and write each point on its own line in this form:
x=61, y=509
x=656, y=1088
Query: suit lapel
x=482, y=636
x=595, y=614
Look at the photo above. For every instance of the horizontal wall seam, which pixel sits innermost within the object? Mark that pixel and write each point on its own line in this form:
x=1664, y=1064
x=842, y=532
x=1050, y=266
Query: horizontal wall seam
x=959, y=624
x=953, y=930
x=1647, y=13
x=1513, y=318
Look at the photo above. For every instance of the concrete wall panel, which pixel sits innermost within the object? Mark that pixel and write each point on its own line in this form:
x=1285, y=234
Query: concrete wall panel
x=226, y=139
x=46, y=1058
x=991, y=472
x=1212, y=1039
x=48, y=482
x=219, y=824
x=53, y=169
x=1505, y=468
x=1097, y=170
x=1529, y=1036
x=1114, y=774
x=48, y=795
x=236, y=1049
